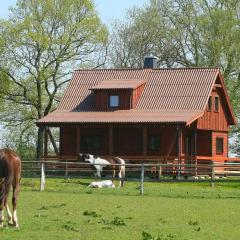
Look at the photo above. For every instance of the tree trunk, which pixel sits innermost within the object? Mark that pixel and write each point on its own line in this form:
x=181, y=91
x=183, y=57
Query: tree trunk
x=39, y=143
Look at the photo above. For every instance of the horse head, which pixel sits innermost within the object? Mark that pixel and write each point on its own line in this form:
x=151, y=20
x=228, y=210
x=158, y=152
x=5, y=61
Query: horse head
x=86, y=157
x=82, y=157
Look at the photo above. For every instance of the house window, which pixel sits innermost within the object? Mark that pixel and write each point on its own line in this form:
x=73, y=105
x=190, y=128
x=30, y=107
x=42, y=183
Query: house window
x=219, y=145
x=209, y=106
x=113, y=101
x=153, y=143
x=216, y=108
x=91, y=143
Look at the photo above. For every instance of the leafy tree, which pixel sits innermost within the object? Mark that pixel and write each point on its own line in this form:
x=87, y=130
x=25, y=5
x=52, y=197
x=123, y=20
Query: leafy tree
x=42, y=41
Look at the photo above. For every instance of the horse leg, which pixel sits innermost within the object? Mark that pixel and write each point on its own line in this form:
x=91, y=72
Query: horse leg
x=98, y=173
x=9, y=214
x=1, y=210
x=121, y=175
x=14, y=203
x=4, y=190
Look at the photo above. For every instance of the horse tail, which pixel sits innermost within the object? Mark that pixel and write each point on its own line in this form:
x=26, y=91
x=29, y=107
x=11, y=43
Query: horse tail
x=6, y=177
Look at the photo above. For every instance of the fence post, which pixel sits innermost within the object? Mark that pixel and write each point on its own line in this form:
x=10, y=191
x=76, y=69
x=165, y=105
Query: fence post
x=66, y=169
x=179, y=172
x=212, y=174
x=159, y=172
x=142, y=180
x=42, y=180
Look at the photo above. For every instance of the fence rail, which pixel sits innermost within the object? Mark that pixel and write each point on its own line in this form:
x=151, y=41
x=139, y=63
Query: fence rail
x=142, y=172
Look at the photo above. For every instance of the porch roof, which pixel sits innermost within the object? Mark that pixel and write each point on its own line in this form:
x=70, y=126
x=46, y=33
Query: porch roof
x=122, y=116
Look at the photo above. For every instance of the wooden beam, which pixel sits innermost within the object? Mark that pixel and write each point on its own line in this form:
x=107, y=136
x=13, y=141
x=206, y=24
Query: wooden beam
x=78, y=141
x=110, y=140
x=195, y=142
x=45, y=143
x=144, y=141
x=52, y=141
x=179, y=130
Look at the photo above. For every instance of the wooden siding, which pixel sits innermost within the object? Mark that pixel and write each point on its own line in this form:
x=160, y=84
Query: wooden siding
x=204, y=143
x=128, y=98
x=223, y=135
x=102, y=99
x=126, y=140
x=136, y=95
x=212, y=120
x=68, y=140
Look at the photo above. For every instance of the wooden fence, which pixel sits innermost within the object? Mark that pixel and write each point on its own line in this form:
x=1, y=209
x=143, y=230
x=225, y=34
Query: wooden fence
x=227, y=172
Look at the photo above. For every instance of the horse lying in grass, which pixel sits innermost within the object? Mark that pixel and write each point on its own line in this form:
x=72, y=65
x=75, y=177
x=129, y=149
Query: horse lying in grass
x=102, y=184
x=10, y=175
x=107, y=165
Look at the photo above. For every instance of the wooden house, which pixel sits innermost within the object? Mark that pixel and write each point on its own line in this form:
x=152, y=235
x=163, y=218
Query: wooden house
x=143, y=114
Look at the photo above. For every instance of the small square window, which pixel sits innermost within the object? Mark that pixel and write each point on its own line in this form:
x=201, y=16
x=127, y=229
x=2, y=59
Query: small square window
x=219, y=146
x=113, y=101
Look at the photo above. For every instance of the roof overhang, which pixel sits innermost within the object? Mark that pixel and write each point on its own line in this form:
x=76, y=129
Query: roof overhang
x=118, y=84
x=121, y=116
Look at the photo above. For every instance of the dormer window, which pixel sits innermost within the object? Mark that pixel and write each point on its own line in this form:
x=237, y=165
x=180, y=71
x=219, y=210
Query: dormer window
x=113, y=101
x=117, y=94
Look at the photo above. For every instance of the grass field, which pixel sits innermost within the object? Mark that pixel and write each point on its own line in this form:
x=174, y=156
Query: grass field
x=68, y=209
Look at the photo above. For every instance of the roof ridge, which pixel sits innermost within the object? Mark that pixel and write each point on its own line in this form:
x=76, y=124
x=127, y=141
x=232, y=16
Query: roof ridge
x=146, y=69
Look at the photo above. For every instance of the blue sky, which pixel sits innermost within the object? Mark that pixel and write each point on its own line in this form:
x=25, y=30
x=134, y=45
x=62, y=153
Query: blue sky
x=107, y=9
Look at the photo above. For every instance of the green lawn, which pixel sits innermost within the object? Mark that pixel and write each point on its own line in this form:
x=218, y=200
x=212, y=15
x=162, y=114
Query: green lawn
x=70, y=210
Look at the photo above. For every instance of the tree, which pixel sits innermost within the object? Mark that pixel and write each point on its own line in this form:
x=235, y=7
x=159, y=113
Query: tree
x=42, y=41
x=183, y=33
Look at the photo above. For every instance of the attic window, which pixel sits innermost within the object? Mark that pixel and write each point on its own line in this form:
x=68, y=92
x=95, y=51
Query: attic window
x=113, y=101
x=209, y=106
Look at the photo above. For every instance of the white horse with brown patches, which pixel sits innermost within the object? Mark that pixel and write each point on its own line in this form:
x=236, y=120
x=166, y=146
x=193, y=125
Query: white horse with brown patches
x=101, y=164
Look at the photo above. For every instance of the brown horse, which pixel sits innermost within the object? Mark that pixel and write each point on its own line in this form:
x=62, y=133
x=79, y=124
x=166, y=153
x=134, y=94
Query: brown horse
x=10, y=175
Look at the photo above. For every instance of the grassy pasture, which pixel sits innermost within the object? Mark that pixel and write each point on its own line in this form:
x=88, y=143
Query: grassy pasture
x=70, y=210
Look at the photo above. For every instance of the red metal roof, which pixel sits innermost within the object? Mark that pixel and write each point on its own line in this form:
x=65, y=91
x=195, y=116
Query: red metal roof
x=123, y=116
x=166, y=92
x=118, y=84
